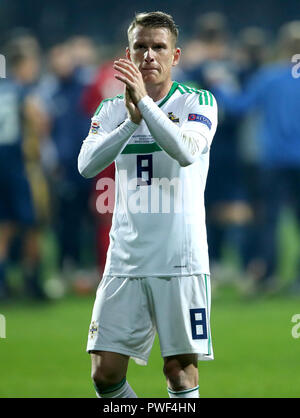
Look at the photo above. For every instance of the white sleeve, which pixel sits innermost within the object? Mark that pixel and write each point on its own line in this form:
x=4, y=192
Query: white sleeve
x=103, y=144
x=193, y=138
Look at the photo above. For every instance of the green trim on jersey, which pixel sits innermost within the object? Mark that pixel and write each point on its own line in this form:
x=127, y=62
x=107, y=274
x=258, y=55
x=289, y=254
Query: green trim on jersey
x=205, y=96
x=121, y=96
x=141, y=148
x=171, y=92
x=181, y=89
x=110, y=99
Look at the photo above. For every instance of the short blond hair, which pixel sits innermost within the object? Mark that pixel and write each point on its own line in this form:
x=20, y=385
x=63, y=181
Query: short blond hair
x=154, y=20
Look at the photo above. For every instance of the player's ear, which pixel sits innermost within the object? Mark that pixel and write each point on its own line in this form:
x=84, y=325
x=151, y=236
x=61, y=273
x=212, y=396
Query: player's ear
x=176, y=56
x=128, y=53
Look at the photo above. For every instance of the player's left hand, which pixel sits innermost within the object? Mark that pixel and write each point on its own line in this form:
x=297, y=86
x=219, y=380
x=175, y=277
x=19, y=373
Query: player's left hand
x=133, y=111
x=131, y=76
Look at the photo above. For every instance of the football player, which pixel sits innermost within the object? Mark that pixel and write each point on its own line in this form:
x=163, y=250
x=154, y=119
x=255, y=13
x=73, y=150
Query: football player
x=156, y=277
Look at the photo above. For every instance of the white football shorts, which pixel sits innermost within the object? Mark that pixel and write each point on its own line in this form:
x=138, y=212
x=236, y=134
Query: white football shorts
x=129, y=311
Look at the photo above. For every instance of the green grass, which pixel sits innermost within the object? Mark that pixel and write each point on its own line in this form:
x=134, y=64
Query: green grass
x=255, y=354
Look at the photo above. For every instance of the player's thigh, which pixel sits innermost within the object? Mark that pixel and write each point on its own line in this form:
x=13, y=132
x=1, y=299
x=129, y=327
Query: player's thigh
x=121, y=320
x=108, y=367
x=182, y=315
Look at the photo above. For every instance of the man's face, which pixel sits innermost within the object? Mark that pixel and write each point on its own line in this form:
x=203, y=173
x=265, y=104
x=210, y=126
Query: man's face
x=152, y=50
x=28, y=69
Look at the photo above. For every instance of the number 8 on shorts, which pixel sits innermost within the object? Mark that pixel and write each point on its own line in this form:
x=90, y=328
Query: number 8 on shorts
x=198, y=324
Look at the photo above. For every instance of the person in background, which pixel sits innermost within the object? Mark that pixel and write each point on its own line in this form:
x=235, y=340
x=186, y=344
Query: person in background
x=275, y=92
x=19, y=113
x=104, y=85
x=250, y=54
x=84, y=57
x=228, y=212
x=61, y=92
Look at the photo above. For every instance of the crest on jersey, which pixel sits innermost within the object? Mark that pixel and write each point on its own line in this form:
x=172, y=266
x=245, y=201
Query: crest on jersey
x=94, y=127
x=172, y=117
x=93, y=329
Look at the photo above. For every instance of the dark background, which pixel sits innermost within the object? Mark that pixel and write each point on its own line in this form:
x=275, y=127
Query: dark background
x=53, y=21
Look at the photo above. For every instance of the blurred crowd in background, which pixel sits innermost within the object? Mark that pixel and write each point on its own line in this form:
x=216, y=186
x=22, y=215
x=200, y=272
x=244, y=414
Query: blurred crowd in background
x=53, y=239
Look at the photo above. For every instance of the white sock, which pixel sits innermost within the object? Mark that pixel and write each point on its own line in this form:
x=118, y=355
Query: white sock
x=188, y=393
x=121, y=390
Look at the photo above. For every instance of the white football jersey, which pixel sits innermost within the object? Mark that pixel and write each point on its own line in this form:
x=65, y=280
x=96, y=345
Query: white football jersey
x=158, y=226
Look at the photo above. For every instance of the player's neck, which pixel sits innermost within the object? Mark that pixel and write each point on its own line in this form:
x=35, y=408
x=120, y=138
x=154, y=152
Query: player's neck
x=158, y=91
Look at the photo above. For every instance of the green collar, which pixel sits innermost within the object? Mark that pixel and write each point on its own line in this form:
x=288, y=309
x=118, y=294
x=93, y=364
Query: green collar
x=172, y=90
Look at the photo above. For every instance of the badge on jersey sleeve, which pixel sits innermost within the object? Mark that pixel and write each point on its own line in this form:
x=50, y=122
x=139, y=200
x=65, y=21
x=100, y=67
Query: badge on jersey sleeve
x=195, y=117
x=94, y=127
x=93, y=331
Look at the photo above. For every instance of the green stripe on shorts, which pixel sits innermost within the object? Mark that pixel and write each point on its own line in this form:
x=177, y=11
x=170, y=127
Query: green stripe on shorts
x=209, y=338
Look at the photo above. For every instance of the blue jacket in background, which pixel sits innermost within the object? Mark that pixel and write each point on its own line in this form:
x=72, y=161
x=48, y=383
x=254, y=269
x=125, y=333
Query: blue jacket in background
x=276, y=93
x=69, y=123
